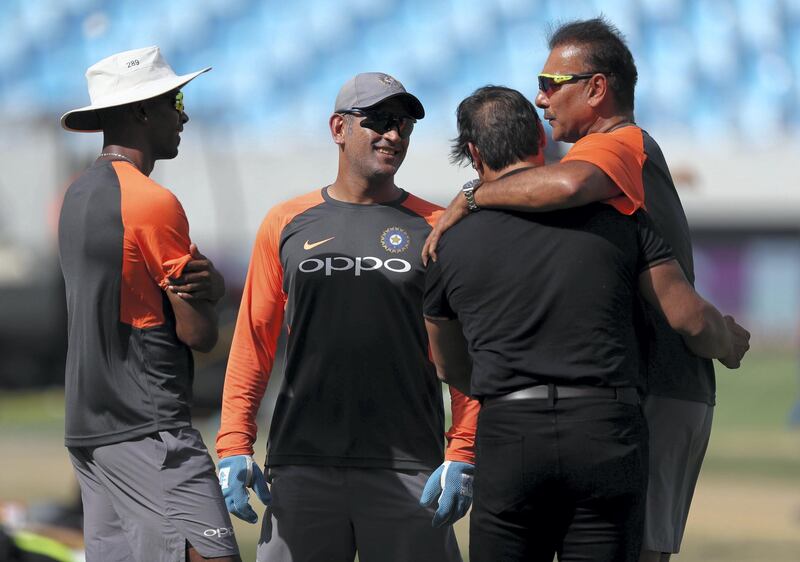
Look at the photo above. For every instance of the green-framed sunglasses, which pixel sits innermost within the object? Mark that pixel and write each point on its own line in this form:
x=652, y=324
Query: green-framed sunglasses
x=179, y=101
x=549, y=81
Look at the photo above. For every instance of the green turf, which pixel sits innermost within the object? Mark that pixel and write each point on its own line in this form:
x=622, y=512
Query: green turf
x=751, y=436
x=758, y=395
x=740, y=551
x=782, y=468
x=751, y=443
x=41, y=410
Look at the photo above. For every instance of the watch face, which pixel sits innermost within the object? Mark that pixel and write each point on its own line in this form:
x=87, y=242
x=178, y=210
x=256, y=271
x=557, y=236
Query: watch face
x=471, y=185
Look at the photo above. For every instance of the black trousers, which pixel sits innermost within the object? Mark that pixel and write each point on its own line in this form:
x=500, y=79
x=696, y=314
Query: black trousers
x=567, y=477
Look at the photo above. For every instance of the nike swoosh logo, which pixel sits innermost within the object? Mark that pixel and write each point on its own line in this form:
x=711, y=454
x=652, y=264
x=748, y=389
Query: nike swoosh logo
x=309, y=246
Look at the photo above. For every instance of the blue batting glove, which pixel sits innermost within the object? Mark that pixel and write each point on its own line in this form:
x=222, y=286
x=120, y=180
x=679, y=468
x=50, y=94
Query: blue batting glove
x=451, y=484
x=236, y=474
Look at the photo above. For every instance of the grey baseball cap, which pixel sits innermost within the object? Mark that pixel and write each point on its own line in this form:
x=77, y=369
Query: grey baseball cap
x=368, y=89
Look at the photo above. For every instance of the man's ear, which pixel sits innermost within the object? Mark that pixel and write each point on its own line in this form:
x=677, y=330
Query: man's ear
x=337, y=124
x=139, y=111
x=598, y=89
x=475, y=156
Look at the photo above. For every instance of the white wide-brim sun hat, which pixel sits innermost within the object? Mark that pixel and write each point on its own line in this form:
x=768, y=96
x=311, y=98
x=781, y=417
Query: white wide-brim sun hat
x=126, y=77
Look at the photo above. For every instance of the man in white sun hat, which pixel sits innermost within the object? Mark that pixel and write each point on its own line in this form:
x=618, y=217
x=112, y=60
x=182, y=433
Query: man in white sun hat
x=140, y=297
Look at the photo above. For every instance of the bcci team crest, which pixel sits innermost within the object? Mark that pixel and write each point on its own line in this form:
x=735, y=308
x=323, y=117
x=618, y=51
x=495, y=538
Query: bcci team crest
x=395, y=240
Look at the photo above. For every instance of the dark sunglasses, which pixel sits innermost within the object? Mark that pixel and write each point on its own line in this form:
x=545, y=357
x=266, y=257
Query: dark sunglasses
x=547, y=82
x=382, y=122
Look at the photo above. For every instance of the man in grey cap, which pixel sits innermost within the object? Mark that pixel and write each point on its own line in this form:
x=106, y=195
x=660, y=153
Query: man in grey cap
x=358, y=429
x=140, y=297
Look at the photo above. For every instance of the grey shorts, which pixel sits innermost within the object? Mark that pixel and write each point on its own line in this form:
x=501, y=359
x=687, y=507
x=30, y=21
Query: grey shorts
x=144, y=499
x=327, y=514
x=679, y=433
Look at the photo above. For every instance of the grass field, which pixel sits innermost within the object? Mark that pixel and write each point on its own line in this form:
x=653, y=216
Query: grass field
x=746, y=509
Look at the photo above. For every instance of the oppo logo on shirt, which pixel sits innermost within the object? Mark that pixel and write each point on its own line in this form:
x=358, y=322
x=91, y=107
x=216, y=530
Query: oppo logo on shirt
x=357, y=265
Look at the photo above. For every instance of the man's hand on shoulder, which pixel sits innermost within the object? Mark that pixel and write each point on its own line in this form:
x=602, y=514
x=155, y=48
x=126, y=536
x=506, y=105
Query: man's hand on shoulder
x=193, y=296
x=455, y=211
x=236, y=475
x=200, y=280
x=451, y=486
x=740, y=344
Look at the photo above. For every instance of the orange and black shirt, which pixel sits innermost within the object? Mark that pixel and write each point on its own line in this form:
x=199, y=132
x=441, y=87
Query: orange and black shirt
x=634, y=161
x=121, y=237
x=359, y=389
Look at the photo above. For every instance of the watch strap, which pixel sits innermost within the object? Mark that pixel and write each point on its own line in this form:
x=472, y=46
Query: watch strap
x=468, y=190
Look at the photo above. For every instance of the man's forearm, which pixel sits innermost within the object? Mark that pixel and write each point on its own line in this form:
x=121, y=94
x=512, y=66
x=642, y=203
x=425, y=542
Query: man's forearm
x=706, y=334
x=195, y=322
x=458, y=378
x=449, y=353
x=699, y=323
x=547, y=188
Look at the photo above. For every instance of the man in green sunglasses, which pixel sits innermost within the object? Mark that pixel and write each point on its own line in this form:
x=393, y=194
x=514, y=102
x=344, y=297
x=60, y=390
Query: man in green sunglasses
x=586, y=90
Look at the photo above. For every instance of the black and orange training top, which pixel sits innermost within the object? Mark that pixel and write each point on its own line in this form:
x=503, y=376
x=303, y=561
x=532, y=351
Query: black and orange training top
x=121, y=236
x=634, y=161
x=359, y=389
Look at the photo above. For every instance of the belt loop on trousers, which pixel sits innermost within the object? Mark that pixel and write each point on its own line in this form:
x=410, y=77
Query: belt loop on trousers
x=552, y=394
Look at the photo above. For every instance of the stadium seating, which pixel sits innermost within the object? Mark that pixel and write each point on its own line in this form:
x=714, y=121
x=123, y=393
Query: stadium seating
x=278, y=64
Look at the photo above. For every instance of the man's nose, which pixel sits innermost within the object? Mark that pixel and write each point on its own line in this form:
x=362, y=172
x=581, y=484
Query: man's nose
x=393, y=133
x=541, y=100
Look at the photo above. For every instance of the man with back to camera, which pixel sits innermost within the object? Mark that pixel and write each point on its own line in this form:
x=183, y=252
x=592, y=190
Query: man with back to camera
x=140, y=297
x=586, y=90
x=546, y=304
x=358, y=426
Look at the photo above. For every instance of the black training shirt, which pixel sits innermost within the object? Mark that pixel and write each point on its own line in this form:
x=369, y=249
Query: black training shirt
x=545, y=297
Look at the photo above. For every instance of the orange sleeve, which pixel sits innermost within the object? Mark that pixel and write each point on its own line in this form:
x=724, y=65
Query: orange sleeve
x=254, y=342
x=461, y=435
x=157, y=222
x=620, y=154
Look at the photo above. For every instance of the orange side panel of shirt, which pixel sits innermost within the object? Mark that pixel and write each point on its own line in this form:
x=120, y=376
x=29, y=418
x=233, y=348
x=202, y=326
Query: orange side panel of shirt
x=620, y=154
x=257, y=330
x=155, y=245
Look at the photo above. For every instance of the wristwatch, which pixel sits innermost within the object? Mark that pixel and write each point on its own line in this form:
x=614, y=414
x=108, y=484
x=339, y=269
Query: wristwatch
x=468, y=189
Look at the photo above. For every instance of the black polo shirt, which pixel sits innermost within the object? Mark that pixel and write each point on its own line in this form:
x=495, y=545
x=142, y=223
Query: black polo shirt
x=546, y=297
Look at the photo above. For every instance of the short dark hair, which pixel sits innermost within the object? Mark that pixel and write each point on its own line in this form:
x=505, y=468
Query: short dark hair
x=607, y=53
x=501, y=123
